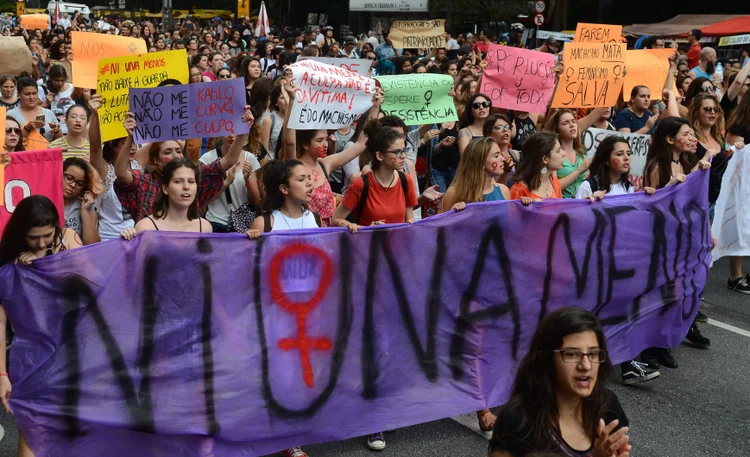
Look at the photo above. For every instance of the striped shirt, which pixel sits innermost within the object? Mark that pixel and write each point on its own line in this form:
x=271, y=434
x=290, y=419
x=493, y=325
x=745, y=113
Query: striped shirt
x=72, y=151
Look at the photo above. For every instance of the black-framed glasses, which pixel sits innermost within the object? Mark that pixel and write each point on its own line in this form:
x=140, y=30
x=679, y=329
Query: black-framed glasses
x=70, y=179
x=575, y=356
x=710, y=109
x=478, y=105
x=398, y=152
x=502, y=128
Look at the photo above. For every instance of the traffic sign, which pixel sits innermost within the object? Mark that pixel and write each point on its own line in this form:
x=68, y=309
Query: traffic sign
x=540, y=6
x=539, y=20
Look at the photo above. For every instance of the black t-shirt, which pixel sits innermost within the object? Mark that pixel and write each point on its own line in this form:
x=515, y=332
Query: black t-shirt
x=741, y=131
x=445, y=158
x=512, y=433
x=524, y=129
x=728, y=105
x=718, y=167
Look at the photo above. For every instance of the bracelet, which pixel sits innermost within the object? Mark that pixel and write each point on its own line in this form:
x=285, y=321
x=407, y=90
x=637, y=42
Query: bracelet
x=3, y=374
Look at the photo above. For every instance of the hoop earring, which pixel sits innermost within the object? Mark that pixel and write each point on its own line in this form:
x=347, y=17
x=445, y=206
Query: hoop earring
x=544, y=170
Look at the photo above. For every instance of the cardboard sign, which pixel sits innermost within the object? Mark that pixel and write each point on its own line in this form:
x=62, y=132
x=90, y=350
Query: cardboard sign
x=646, y=67
x=418, y=34
x=359, y=66
x=89, y=47
x=597, y=33
x=203, y=110
x=593, y=75
x=419, y=98
x=15, y=55
x=639, y=144
x=34, y=21
x=119, y=74
x=328, y=97
x=519, y=79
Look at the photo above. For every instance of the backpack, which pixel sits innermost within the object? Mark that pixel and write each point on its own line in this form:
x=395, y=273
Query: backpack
x=356, y=215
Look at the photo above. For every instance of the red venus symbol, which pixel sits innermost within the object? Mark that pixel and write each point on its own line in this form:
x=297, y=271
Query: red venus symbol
x=300, y=310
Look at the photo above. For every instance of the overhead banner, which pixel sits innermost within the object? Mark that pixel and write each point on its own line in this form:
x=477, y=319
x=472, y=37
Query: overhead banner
x=592, y=77
x=147, y=347
x=328, y=97
x=646, y=67
x=202, y=110
x=638, y=143
x=31, y=173
x=89, y=48
x=731, y=225
x=404, y=6
x=359, y=66
x=119, y=74
x=419, y=98
x=734, y=40
x=15, y=55
x=519, y=79
x=418, y=34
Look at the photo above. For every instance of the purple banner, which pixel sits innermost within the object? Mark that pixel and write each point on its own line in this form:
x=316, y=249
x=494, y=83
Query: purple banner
x=187, y=111
x=183, y=344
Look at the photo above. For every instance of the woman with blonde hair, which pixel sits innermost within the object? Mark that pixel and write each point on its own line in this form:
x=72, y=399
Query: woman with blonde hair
x=480, y=164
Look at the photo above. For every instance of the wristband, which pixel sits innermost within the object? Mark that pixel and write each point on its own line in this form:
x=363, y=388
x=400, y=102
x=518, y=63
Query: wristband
x=3, y=374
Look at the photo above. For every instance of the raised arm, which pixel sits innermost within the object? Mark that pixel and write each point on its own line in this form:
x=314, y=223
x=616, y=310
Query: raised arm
x=288, y=136
x=734, y=90
x=122, y=164
x=233, y=154
x=588, y=121
x=95, y=136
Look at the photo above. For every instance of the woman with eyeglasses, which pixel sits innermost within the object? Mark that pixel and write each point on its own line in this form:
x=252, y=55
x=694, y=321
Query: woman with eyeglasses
x=81, y=187
x=535, y=177
x=196, y=75
x=560, y=402
x=13, y=137
x=499, y=127
x=699, y=85
x=470, y=123
x=215, y=64
x=74, y=143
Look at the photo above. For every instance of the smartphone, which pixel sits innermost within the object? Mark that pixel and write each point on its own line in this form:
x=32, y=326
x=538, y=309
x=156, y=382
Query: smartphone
x=40, y=117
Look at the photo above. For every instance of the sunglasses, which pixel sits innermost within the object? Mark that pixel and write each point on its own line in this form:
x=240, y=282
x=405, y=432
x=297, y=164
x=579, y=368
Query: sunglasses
x=225, y=76
x=478, y=105
x=710, y=109
x=15, y=130
x=708, y=89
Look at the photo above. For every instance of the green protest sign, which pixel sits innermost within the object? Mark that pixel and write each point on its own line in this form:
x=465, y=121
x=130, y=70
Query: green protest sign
x=419, y=98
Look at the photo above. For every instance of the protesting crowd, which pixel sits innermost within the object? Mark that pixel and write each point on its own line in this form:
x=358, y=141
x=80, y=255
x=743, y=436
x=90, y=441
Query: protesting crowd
x=385, y=167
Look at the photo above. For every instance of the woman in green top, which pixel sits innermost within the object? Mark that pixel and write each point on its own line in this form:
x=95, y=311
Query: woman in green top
x=575, y=165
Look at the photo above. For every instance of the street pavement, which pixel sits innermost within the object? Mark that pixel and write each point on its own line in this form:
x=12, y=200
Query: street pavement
x=701, y=409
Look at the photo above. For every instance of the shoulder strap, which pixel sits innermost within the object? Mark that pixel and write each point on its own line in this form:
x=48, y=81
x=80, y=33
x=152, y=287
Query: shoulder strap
x=404, y=182
x=357, y=214
x=323, y=167
x=266, y=222
x=153, y=222
x=317, y=219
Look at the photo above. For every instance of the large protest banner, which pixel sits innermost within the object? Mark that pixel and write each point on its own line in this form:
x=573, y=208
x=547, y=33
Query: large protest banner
x=639, y=145
x=31, y=173
x=592, y=77
x=731, y=224
x=418, y=34
x=597, y=33
x=203, y=110
x=195, y=344
x=359, y=66
x=519, y=79
x=119, y=74
x=89, y=48
x=15, y=55
x=647, y=67
x=328, y=97
x=419, y=98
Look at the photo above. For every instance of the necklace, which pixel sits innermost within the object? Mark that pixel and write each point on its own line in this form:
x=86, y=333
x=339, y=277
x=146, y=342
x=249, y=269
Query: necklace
x=676, y=161
x=385, y=189
x=283, y=216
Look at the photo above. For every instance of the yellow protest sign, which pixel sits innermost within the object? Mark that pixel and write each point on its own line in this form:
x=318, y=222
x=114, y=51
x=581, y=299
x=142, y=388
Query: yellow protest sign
x=118, y=74
x=20, y=7
x=418, y=34
x=593, y=75
x=243, y=8
x=34, y=21
x=597, y=33
x=89, y=47
x=646, y=67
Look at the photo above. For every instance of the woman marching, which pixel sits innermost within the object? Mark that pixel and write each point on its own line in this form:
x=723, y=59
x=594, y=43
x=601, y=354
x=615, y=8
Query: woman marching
x=535, y=175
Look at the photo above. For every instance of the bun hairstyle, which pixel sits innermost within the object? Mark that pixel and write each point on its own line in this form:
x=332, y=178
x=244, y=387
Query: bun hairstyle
x=379, y=139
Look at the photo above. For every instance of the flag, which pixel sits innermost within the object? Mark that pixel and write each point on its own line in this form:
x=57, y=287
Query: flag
x=57, y=16
x=262, y=28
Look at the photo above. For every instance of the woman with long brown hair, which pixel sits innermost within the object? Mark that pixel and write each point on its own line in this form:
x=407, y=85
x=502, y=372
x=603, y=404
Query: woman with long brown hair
x=535, y=175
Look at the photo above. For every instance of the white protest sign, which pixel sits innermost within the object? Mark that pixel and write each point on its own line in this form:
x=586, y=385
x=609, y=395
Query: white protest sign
x=328, y=97
x=731, y=225
x=360, y=66
x=639, y=144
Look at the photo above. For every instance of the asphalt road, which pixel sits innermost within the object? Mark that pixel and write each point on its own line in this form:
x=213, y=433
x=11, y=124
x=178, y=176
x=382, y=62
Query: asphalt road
x=701, y=409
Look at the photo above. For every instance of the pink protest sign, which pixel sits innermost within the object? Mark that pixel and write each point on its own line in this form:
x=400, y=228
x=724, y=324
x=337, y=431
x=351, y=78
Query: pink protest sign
x=32, y=173
x=519, y=79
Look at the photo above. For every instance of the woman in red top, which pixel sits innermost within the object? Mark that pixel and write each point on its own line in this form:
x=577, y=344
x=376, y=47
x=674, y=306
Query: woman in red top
x=535, y=175
x=386, y=202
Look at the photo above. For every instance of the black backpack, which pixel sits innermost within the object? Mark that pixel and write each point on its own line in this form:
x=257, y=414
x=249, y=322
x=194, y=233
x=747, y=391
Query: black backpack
x=356, y=215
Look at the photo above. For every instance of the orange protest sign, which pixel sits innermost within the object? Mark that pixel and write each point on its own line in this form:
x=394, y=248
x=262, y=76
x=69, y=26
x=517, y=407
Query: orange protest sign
x=88, y=48
x=593, y=75
x=597, y=33
x=34, y=21
x=646, y=67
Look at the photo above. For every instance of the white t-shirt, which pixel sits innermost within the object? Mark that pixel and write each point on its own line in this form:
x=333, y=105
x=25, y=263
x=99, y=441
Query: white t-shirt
x=282, y=222
x=113, y=218
x=218, y=210
x=453, y=45
x=584, y=190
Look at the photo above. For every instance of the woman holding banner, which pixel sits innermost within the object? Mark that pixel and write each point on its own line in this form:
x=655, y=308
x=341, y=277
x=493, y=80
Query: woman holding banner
x=535, y=175
x=471, y=122
x=13, y=138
